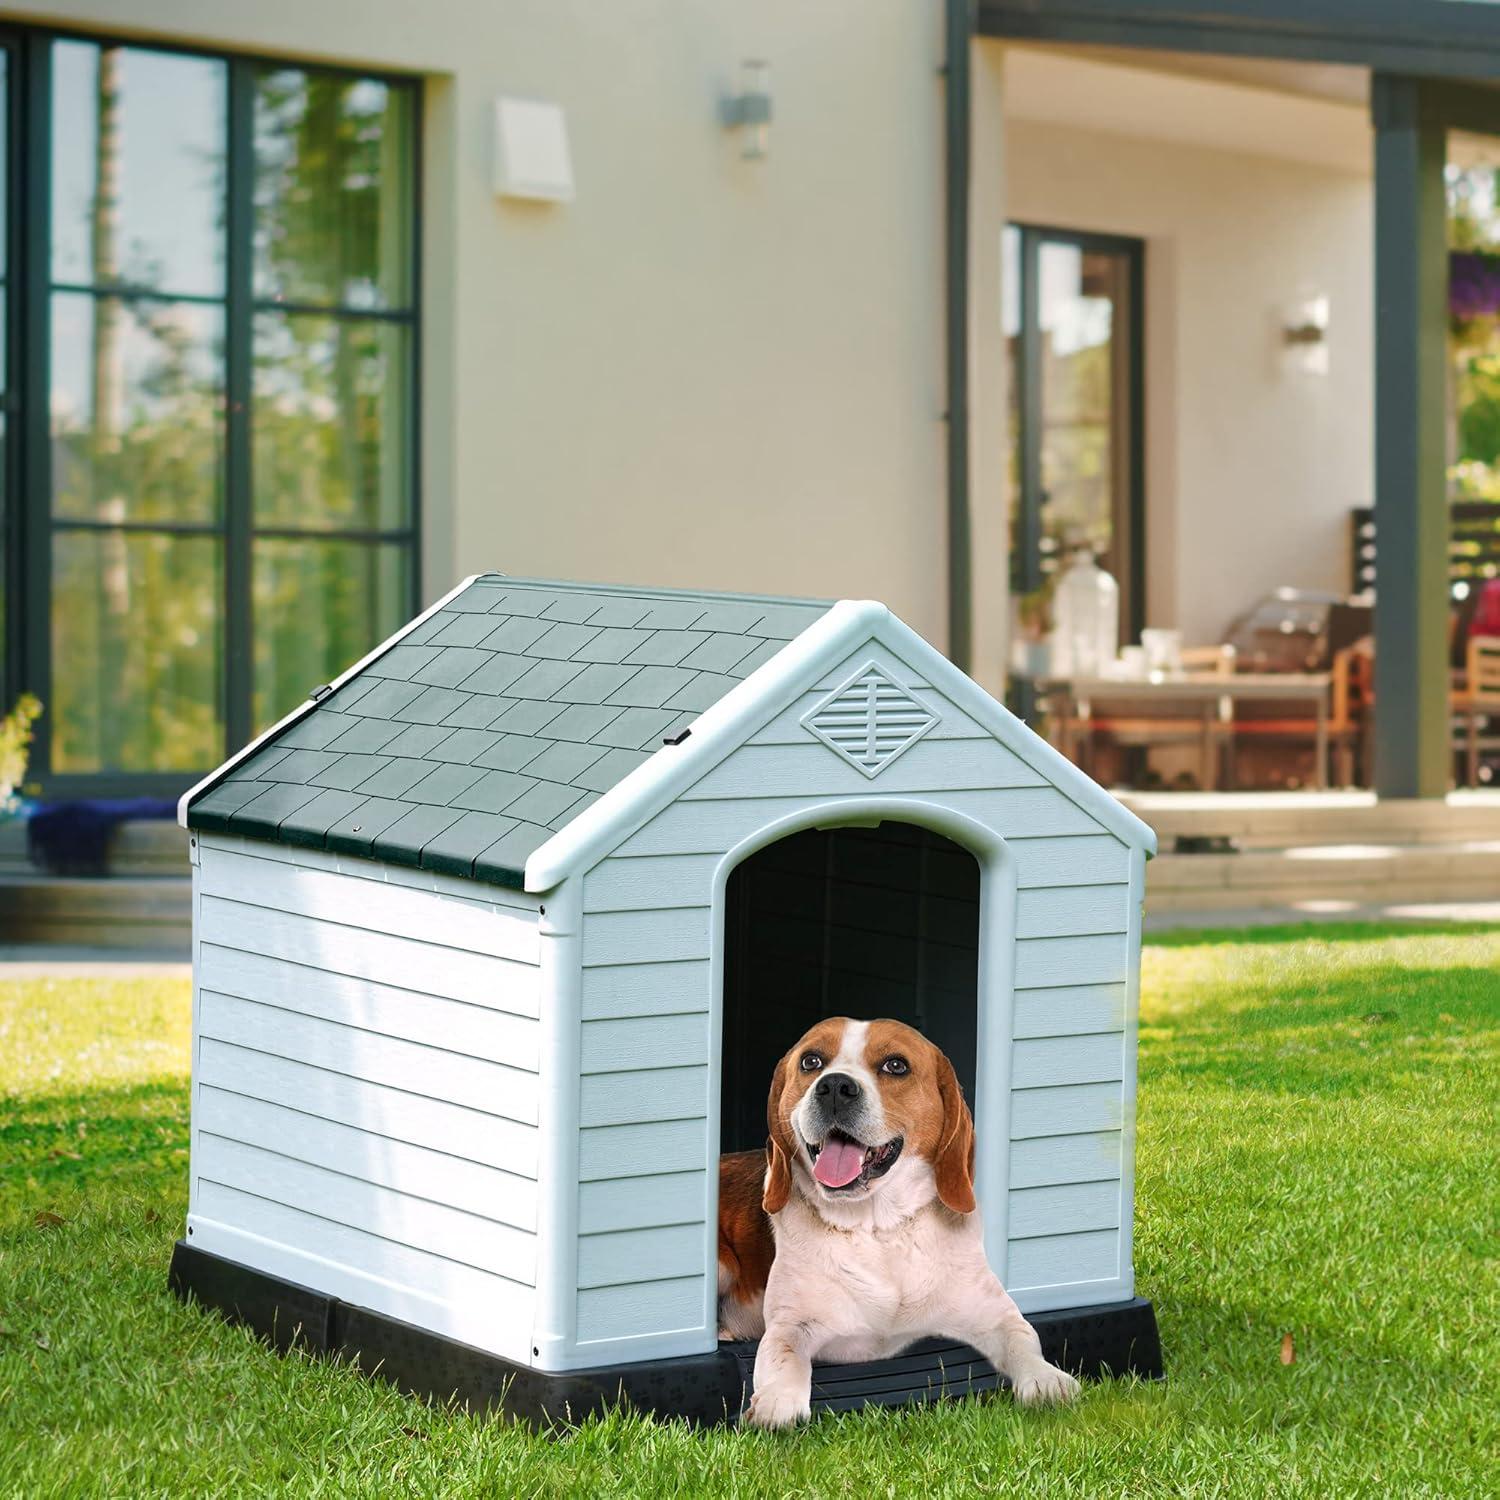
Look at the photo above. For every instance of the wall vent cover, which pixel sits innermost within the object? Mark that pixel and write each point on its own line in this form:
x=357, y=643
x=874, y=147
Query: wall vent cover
x=870, y=720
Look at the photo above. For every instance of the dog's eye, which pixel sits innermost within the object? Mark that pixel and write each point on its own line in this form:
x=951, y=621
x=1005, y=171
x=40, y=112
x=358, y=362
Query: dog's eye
x=897, y=1067
x=811, y=1062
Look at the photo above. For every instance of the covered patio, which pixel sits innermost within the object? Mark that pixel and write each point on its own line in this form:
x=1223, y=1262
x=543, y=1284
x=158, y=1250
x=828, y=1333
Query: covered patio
x=1221, y=357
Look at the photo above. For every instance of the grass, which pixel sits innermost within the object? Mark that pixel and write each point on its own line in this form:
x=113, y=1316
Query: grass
x=1317, y=1157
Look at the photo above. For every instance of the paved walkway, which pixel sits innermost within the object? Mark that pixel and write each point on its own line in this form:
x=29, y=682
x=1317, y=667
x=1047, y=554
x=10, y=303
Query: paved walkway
x=41, y=961
x=1327, y=911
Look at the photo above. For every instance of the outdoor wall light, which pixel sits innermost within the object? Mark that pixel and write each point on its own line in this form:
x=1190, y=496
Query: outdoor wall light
x=749, y=111
x=1304, y=335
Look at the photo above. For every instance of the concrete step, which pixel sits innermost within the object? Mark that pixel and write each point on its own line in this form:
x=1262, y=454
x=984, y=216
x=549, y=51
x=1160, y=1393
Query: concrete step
x=1279, y=820
x=123, y=911
x=1331, y=875
x=157, y=847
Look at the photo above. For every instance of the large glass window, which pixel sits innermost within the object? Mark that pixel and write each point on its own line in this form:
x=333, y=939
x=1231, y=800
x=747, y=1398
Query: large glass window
x=218, y=464
x=136, y=408
x=331, y=409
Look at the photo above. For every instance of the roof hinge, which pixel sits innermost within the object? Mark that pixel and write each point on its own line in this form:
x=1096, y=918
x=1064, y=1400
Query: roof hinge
x=676, y=739
x=318, y=694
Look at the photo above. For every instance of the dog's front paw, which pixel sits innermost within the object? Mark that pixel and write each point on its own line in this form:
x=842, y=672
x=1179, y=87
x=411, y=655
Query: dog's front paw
x=774, y=1407
x=1041, y=1384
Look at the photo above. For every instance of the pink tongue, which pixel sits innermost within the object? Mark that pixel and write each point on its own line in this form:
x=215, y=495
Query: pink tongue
x=839, y=1163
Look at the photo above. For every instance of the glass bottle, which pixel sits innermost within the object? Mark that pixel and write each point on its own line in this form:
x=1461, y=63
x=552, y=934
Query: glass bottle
x=1086, y=612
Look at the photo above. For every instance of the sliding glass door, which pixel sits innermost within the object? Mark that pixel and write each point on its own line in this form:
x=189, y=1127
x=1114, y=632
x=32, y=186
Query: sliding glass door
x=1073, y=324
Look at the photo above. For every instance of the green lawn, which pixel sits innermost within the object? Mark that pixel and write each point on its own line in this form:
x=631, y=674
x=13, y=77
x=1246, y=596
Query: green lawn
x=1317, y=1156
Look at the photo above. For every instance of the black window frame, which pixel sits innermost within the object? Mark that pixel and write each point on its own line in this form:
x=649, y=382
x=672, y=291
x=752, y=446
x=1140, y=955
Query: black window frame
x=1026, y=559
x=27, y=524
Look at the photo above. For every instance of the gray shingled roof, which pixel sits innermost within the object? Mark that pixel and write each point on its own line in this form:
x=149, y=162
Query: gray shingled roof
x=496, y=721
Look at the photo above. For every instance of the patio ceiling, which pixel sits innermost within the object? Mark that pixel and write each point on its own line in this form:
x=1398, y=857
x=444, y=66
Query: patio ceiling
x=1335, y=82
x=1171, y=97
x=1432, y=64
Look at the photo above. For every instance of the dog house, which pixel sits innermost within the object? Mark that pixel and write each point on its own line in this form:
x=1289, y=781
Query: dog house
x=498, y=936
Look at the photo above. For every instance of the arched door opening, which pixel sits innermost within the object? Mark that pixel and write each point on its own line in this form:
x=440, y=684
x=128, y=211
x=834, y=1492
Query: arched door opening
x=865, y=922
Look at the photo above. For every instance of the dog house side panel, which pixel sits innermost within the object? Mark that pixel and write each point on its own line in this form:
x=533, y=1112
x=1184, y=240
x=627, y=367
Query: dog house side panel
x=366, y=1085
x=1072, y=1073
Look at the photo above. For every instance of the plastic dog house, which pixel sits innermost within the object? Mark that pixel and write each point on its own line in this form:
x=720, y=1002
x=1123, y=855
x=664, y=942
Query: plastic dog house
x=498, y=936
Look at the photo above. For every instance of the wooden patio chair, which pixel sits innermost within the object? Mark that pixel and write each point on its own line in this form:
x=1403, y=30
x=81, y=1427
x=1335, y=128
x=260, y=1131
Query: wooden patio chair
x=1350, y=715
x=1476, y=701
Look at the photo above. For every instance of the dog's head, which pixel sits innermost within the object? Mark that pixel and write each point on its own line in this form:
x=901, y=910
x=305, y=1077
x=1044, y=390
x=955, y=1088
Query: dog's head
x=858, y=1104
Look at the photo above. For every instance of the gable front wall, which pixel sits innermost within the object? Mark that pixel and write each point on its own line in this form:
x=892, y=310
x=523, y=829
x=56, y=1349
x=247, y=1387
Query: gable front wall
x=647, y=1107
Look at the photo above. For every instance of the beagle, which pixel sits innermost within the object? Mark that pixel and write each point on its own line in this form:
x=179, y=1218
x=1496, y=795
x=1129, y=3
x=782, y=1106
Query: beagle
x=855, y=1232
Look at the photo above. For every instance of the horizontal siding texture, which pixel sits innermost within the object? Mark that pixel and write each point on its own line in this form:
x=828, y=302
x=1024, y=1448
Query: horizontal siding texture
x=380, y=1111
x=418, y=1067
x=808, y=770
x=1063, y=1260
x=640, y=1309
x=637, y=1042
x=687, y=827
x=1090, y=1156
x=643, y=1099
x=610, y=1152
x=1068, y=1066
x=475, y=1187
x=642, y=1095
x=369, y=954
x=440, y=1277
x=447, y=921
x=349, y=1198
x=647, y=989
x=366, y=1087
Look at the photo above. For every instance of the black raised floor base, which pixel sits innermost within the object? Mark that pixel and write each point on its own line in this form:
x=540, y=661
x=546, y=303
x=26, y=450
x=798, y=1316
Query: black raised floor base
x=1119, y=1338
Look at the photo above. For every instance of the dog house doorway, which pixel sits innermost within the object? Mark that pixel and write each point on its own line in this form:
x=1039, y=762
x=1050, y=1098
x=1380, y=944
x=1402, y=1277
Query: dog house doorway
x=865, y=922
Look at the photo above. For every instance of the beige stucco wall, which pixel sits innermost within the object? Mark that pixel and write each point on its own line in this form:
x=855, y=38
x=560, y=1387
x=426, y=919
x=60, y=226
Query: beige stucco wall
x=730, y=374
x=1251, y=470
x=704, y=370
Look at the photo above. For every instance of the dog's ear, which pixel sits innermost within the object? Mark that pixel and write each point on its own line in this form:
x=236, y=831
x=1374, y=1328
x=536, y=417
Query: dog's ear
x=953, y=1165
x=779, y=1147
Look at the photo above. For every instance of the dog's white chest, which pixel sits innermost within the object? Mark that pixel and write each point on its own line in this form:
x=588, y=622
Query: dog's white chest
x=884, y=1287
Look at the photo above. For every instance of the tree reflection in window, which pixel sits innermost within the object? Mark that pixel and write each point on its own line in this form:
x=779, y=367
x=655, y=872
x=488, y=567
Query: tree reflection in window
x=144, y=487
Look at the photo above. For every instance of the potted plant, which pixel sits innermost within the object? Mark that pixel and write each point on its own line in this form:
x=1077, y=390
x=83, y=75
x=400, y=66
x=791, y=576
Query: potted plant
x=15, y=741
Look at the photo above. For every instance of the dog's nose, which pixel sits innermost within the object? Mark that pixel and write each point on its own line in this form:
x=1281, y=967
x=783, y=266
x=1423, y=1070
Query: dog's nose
x=835, y=1087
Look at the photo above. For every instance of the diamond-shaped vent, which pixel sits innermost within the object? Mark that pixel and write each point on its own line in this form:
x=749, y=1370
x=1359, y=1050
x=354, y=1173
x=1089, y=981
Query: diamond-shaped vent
x=870, y=720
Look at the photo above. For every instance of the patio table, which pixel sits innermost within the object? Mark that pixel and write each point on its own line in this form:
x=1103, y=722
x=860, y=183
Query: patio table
x=1213, y=694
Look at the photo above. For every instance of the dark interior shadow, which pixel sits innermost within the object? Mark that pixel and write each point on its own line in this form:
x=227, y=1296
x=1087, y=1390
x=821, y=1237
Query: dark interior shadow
x=867, y=922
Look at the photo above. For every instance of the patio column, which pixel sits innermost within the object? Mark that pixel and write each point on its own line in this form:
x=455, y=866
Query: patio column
x=1412, y=756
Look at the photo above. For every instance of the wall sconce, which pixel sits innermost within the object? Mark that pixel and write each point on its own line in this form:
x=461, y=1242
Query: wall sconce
x=1304, y=335
x=749, y=111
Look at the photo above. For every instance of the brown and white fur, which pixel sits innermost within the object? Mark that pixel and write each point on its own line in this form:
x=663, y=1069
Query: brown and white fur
x=859, y=1271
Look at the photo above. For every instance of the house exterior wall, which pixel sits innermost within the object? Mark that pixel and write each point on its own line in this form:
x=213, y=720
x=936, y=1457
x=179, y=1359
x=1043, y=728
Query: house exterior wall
x=1059, y=947
x=1251, y=469
x=366, y=1085
x=705, y=371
